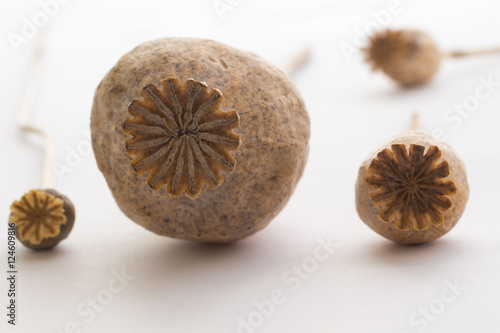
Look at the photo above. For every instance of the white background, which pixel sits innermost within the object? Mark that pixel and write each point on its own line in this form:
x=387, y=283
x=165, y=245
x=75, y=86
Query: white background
x=368, y=284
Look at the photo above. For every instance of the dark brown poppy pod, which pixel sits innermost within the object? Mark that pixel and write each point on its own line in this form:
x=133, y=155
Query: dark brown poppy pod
x=42, y=218
x=198, y=140
x=413, y=189
x=409, y=57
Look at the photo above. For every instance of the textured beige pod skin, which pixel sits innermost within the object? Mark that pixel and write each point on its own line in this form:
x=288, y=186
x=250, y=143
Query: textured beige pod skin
x=368, y=212
x=421, y=63
x=274, y=133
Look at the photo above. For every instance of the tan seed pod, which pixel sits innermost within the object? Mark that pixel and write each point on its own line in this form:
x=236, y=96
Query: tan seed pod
x=413, y=189
x=42, y=218
x=198, y=140
x=409, y=57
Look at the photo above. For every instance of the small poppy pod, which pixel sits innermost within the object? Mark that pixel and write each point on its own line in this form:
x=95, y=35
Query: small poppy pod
x=42, y=218
x=409, y=57
x=413, y=189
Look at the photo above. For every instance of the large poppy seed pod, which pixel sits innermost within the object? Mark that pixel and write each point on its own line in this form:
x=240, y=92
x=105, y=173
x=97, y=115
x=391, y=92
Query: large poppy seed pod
x=198, y=140
x=409, y=57
x=42, y=218
x=413, y=189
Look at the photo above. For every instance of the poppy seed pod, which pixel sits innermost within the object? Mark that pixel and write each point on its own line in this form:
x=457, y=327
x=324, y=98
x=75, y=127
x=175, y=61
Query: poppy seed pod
x=409, y=57
x=413, y=189
x=198, y=140
x=42, y=218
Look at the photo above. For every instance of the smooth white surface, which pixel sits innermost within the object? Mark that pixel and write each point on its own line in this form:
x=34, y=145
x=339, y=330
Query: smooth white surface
x=367, y=284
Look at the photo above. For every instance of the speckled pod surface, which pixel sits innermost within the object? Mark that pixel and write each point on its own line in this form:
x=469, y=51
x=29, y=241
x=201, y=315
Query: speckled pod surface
x=453, y=190
x=273, y=133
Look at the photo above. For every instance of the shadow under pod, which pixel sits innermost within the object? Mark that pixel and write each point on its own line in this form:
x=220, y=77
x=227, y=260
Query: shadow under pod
x=176, y=264
x=468, y=66
x=440, y=251
x=28, y=256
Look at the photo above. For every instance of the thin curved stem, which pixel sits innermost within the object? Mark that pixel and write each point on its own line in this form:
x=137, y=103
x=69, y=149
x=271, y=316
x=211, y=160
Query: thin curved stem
x=28, y=106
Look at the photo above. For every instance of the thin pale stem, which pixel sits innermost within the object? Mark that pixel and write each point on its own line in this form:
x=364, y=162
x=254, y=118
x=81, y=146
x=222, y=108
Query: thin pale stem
x=28, y=106
x=297, y=61
x=460, y=54
x=415, y=122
